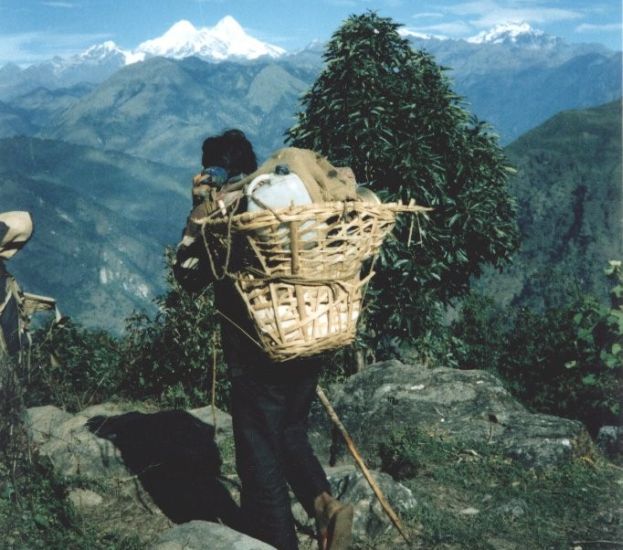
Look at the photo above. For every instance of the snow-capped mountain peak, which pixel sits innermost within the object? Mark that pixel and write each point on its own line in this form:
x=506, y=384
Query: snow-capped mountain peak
x=176, y=42
x=104, y=52
x=227, y=39
x=416, y=35
x=228, y=25
x=520, y=33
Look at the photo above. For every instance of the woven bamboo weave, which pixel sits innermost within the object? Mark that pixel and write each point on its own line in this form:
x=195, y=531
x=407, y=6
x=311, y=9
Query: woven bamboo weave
x=294, y=320
x=299, y=270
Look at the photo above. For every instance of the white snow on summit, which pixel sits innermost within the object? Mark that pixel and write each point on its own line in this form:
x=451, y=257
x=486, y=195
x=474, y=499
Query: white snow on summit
x=106, y=51
x=512, y=32
x=408, y=33
x=227, y=39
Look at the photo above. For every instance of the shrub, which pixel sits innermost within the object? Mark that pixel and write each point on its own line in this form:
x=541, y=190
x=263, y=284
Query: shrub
x=566, y=361
x=73, y=367
x=171, y=357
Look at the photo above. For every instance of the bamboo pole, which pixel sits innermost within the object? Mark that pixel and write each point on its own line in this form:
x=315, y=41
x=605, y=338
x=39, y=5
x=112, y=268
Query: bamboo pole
x=362, y=466
x=214, y=382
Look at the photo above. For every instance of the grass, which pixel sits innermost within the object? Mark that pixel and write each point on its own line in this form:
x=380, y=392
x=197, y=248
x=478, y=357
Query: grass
x=34, y=509
x=473, y=497
x=35, y=513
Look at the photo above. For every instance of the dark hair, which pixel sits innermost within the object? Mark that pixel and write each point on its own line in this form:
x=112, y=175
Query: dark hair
x=232, y=151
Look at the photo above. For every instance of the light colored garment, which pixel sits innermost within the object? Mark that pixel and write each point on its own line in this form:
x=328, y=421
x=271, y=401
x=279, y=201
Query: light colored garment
x=15, y=231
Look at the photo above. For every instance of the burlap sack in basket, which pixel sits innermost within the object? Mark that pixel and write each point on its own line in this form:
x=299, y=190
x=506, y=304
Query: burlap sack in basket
x=323, y=181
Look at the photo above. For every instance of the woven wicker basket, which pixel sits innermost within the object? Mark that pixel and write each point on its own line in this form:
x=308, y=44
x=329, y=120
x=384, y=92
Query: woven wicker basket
x=294, y=320
x=299, y=269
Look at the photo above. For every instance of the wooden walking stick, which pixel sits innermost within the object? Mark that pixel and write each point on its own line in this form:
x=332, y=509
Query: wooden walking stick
x=364, y=470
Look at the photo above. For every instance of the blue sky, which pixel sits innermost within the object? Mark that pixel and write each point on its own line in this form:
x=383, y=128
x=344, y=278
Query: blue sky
x=34, y=30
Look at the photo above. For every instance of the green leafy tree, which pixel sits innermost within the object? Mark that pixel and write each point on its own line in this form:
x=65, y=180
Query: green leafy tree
x=172, y=357
x=389, y=112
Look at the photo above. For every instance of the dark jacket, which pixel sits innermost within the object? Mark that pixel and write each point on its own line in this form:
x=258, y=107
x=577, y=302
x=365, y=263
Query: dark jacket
x=193, y=271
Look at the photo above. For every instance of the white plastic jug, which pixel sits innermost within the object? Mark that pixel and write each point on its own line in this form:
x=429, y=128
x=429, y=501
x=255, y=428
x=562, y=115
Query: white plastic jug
x=280, y=191
x=276, y=191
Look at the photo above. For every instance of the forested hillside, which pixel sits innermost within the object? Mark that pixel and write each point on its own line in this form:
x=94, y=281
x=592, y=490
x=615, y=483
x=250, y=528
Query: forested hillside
x=569, y=199
x=102, y=220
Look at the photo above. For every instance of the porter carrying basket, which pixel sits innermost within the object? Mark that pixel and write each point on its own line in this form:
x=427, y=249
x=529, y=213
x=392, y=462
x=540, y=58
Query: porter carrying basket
x=302, y=270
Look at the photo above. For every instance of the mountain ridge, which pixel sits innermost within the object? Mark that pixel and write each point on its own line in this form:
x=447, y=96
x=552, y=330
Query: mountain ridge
x=227, y=40
x=163, y=109
x=103, y=218
x=102, y=221
x=570, y=208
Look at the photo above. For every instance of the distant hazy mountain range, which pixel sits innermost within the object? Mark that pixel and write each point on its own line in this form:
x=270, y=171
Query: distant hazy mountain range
x=512, y=76
x=102, y=221
x=109, y=140
x=103, y=218
x=516, y=78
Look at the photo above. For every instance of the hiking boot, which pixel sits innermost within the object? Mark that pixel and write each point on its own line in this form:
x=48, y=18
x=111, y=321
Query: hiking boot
x=334, y=521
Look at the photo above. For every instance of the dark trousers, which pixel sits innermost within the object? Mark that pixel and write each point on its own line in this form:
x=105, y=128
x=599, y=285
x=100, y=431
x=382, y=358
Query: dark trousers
x=270, y=407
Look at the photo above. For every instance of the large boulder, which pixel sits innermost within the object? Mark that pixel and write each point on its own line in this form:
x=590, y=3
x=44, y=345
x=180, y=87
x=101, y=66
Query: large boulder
x=205, y=535
x=463, y=406
x=371, y=525
x=71, y=446
x=138, y=472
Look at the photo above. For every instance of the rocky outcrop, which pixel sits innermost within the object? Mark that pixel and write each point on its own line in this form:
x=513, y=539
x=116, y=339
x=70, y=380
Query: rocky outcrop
x=370, y=523
x=143, y=472
x=72, y=448
x=205, y=535
x=136, y=472
x=159, y=474
x=466, y=406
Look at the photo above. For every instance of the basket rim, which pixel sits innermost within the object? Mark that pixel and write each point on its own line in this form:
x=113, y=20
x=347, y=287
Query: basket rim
x=301, y=212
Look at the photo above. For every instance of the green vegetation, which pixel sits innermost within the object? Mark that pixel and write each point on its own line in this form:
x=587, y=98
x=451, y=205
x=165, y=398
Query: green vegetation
x=74, y=367
x=167, y=358
x=569, y=209
x=389, y=113
x=34, y=510
x=171, y=358
x=566, y=361
x=481, y=500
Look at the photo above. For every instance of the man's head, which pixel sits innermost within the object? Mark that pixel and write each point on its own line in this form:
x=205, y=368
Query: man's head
x=232, y=151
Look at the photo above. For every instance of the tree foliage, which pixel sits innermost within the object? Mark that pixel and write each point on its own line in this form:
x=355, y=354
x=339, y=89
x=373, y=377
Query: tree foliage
x=566, y=361
x=172, y=357
x=389, y=112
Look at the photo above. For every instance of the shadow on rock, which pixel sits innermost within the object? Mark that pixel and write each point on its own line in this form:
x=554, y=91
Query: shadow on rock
x=176, y=459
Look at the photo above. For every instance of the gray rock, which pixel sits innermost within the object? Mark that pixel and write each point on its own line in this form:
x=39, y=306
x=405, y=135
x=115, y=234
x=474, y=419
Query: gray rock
x=204, y=535
x=369, y=521
x=72, y=448
x=121, y=504
x=465, y=406
x=610, y=440
x=83, y=498
x=224, y=429
x=42, y=421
